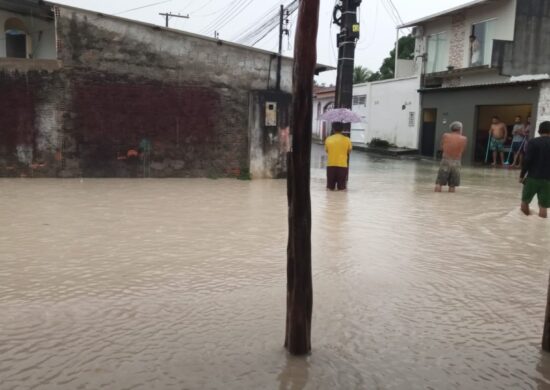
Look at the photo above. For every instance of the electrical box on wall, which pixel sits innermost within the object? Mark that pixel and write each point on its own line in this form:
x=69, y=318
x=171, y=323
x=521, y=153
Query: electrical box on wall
x=271, y=114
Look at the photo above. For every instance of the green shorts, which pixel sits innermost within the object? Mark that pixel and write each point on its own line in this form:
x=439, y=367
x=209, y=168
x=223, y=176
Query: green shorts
x=539, y=187
x=497, y=145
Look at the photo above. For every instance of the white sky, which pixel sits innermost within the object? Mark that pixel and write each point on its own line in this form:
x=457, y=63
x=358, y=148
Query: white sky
x=377, y=27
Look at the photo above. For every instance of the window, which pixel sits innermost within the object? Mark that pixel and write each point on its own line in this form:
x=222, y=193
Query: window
x=481, y=43
x=16, y=38
x=360, y=100
x=438, y=52
x=412, y=118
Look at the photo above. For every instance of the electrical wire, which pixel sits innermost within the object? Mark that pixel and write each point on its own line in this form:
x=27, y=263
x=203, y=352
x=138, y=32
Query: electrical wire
x=143, y=7
x=290, y=8
x=224, y=16
x=254, y=26
x=237, y=12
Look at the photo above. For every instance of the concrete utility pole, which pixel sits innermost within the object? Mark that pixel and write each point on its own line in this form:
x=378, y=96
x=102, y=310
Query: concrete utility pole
x=299, y=278
x=171, y=15
x=345, y=16
x=282, y=31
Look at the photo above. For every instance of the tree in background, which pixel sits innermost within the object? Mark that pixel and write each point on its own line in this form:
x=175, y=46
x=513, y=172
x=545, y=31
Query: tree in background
x=406, y=52
x=361, y=75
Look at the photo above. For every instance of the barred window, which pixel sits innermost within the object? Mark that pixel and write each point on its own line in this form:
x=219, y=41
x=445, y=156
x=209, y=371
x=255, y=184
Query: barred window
x=360, y=100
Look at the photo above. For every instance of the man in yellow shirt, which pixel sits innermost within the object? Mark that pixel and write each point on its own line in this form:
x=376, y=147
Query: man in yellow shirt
x=338, y=148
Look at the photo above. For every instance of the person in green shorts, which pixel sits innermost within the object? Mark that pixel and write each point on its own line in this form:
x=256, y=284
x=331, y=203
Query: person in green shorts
x=535, y=173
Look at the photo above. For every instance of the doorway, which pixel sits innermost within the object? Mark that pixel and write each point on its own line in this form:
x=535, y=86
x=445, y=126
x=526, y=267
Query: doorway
x=427, y=141
x=507, y=114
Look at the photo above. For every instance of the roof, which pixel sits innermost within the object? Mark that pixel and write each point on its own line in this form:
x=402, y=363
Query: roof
x=24, y=6
x=482, y=86
x=37, y=7
x=450, y=11
x=324, y=92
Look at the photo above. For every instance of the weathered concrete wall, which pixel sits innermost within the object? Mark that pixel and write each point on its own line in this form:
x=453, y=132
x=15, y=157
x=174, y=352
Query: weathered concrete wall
x=544, y=104
x=32, y=123
x=461, y=105
x=529, y=52
x=189, y=96
x=269, y=136
x=123, y=81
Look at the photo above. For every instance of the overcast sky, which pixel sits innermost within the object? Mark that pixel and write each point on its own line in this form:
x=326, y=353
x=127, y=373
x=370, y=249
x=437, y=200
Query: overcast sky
x=232, y=17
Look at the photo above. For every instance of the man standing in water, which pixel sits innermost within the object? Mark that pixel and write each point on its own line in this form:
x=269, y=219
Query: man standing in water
x=338, y=148
x=535, y=174
x=518, y=142
x=453, y=145
x=498, y=134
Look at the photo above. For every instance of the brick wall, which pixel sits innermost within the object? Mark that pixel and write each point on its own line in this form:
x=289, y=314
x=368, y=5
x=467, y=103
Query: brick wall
x=458, y=41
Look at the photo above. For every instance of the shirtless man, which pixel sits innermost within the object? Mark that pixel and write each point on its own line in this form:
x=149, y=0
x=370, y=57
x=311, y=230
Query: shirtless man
x=453, y=145
x=498, y=134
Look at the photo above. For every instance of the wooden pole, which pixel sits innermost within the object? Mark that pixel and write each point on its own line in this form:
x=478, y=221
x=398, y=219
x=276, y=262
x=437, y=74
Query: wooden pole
x=299, y=278
x=546, y=333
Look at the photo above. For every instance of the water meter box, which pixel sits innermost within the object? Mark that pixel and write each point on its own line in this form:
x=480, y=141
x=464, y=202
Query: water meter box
x=271, y=114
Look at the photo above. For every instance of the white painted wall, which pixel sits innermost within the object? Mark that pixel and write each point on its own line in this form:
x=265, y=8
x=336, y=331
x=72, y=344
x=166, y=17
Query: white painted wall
x=358, y=129
x=42, y=33
x=388, y=108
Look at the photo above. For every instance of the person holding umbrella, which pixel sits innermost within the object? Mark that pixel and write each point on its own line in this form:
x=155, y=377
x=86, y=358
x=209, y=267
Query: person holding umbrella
x=338, y=148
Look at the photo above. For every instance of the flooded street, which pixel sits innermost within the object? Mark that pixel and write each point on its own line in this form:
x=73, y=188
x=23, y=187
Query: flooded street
x=180, y=284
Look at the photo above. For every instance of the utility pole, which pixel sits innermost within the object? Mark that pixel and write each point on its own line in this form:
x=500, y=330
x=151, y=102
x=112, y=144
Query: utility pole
x=345, y=16
x=299, y=276
x=283, y=29
x=169, y=15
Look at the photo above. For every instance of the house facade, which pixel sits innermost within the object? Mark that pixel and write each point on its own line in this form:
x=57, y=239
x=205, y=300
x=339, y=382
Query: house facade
x=485, y=58
x=323, y=101
x=88, y=94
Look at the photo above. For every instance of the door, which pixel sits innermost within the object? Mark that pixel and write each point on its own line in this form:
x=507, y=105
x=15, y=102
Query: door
x=427, y=142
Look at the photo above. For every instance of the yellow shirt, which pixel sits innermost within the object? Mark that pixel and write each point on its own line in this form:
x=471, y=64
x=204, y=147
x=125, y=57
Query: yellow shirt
x=338, y=147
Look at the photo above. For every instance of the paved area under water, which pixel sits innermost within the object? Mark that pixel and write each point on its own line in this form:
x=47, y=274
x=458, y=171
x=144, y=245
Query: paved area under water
x=180, y=284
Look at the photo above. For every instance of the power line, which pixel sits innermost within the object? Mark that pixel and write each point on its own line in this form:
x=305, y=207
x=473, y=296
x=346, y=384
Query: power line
x=144, y=6
x=264, y=30
x=237, y=12
x=260, y=21
x=230, y=10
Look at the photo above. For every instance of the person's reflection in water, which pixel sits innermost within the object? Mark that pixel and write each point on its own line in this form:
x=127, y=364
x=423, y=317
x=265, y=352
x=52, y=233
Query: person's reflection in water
x=295, y=375
x=543, y=367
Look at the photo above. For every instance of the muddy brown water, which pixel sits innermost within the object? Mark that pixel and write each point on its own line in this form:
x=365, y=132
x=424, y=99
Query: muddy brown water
x=180, y=284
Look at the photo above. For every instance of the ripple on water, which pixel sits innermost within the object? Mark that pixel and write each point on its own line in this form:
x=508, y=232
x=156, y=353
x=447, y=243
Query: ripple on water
x=175, y=284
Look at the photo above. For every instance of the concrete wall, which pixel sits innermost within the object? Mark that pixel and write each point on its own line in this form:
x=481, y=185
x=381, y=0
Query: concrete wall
x=42, y=34
x=529, y=52
x=461, y=105
x=390, y=105
x=32, y=122
x=123, y=81
x=269, y=134
x=544, y=104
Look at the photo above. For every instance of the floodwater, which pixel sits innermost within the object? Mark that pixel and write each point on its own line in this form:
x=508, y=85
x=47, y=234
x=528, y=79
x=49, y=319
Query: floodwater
x=180, y=284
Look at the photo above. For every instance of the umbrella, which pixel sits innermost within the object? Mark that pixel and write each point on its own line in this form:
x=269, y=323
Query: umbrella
x=342, y=115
